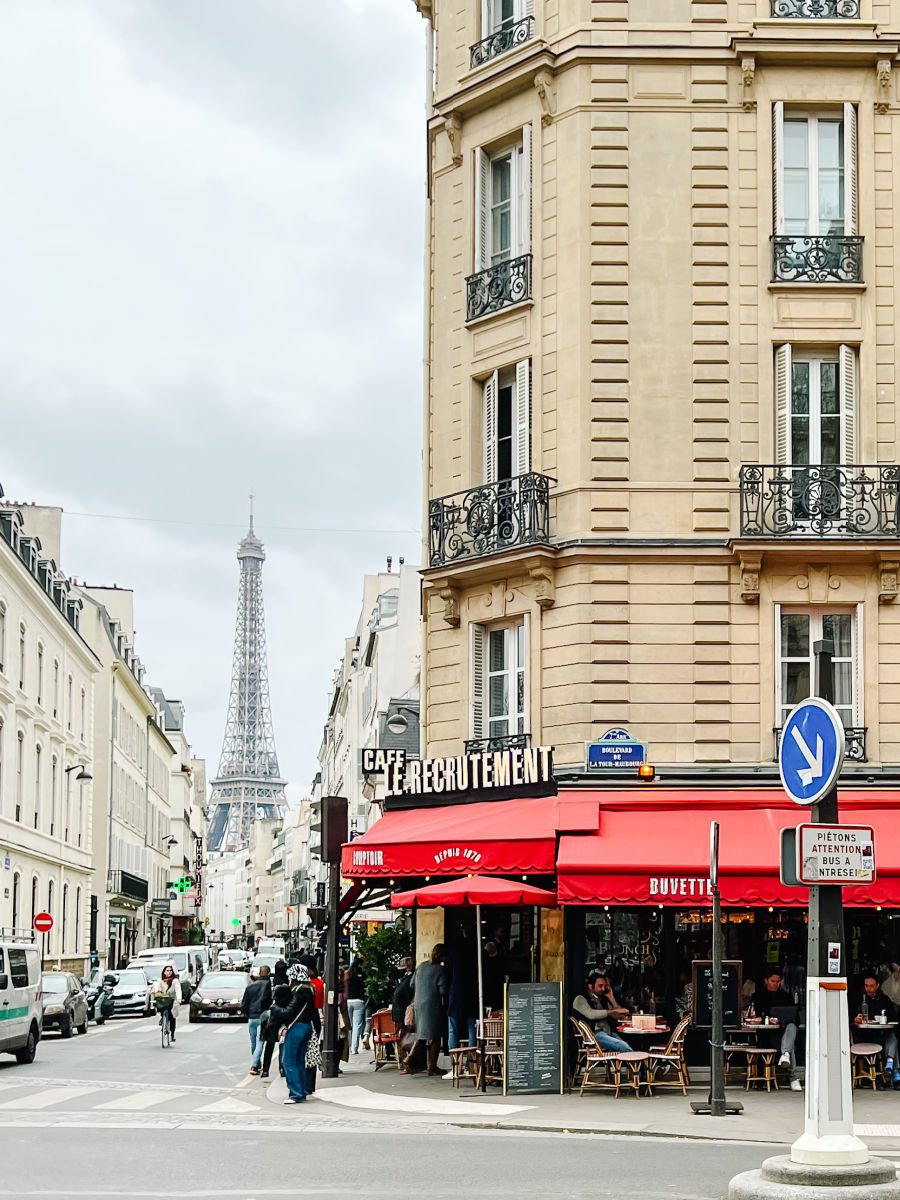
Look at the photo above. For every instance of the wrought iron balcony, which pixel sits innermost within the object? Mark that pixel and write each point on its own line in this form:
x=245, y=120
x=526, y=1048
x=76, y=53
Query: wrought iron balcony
x=854, y=738
x=511, y=741
x=499, y=286
x=502, y=40
x=825, y=258
x=820, y=501
x=811, y=10
x=486, y=519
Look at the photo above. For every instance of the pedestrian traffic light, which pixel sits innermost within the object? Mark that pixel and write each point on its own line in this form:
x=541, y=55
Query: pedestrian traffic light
x=328, y=828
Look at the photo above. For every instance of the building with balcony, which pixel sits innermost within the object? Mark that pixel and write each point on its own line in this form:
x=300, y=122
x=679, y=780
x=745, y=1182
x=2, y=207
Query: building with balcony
x=660, y=442
x=47, y=674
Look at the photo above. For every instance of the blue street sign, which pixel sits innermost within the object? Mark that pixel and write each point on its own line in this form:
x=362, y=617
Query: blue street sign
x=615, y=751
x=811, y=752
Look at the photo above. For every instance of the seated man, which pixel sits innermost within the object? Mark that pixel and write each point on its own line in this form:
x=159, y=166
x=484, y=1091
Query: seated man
x=595, y=1007
x=876, y=1003
x=772, y=996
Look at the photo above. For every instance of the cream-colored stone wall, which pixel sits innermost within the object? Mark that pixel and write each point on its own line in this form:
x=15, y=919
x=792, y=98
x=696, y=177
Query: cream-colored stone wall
x=651, y=330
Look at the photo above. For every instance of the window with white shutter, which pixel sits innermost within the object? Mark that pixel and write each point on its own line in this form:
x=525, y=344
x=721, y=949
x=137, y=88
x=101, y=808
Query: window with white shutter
x=503, y=203
x=499, y=701
x=815, y=406
x=814, y=171
x=798, y=630
x=497, y=15
x=507, y=422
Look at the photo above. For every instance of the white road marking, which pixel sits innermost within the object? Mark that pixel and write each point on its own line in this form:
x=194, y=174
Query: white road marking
x=44, y=1099
x=877, y=1130
x=136, y=1102
x=360, y=1097
x=228, y=1105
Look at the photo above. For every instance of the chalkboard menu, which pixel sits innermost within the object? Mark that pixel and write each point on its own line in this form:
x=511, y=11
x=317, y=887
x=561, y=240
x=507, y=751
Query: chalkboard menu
x=532, y=1037
x=732, y=987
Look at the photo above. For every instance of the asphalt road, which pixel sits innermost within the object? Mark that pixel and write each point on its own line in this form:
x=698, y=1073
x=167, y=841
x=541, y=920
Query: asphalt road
x=112, y=1114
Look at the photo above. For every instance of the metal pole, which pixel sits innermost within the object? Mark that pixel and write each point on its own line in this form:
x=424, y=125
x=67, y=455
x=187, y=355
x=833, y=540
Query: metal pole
x=717, y=1041
x=330, y=1054
x=826, y=903
x=480, y=1027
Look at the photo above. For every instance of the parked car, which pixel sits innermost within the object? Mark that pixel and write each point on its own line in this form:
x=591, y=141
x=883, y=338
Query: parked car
x=64, y=1003
x=218, y=995
x=20, y=978
x=233, y=960
x=263, y=960
x=131, y=992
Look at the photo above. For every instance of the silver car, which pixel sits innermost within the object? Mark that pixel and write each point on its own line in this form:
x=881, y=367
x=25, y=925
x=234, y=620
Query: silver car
x=132, y=992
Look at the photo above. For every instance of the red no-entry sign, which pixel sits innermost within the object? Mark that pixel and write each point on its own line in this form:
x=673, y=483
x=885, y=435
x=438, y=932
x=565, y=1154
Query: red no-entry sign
x=43, y=922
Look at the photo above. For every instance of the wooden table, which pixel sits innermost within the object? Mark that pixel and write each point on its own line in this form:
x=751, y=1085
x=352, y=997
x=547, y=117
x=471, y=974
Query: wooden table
x=630, y=1029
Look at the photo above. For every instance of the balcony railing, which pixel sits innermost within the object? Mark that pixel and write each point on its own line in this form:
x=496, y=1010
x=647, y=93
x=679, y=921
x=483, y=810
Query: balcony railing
x=499, y=286
x=854, y=738
x=510, y=741
x=502, y=40
x=825, y=258
x=820, y=501
x=495, y=516
x=811, y=10
x=128, y=886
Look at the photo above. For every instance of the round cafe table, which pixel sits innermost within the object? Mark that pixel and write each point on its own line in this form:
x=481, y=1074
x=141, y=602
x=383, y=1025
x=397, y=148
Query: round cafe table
x=630, y=1031
x=873, y=1026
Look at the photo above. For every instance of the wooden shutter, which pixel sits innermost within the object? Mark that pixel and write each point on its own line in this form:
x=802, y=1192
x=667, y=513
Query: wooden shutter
x=482, y=208
x=782, y=403
x=858, y=661
x=486, y=26
x=524, y=193
x=523, y=417
x=776, y=609
x=476, y=705
x=851, y=190
x=778, y=166
x=849, y=390
x=489, y=428
x=526, y=8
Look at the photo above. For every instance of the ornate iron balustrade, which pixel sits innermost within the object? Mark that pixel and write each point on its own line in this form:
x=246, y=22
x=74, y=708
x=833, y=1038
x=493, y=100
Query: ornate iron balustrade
x=854, y=738
x=498, y=286
x=498, y=43
x=804, y=258
x=495, y=516
x=811, y=10
x=820, y=501
x=510, y=741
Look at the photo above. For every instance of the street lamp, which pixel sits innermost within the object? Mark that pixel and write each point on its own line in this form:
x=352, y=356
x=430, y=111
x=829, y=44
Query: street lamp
x=84, y=775
x=397, y=722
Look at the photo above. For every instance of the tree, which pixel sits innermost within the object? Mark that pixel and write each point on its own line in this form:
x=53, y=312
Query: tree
x=379, y=954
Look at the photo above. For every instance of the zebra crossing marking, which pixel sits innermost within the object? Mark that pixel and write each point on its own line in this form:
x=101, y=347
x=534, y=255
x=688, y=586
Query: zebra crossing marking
x=136, y=1102
x=47, y=1098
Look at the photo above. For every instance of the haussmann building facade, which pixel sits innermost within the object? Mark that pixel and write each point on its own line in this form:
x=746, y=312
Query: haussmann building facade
x=660, y=448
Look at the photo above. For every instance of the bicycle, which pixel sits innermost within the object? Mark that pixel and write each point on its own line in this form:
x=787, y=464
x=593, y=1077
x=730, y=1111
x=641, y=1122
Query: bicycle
x=164, y=1008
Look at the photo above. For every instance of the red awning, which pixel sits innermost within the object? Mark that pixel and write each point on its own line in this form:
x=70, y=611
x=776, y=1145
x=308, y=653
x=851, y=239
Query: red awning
x=493, y=838
x=483, y=889
x=656, y=853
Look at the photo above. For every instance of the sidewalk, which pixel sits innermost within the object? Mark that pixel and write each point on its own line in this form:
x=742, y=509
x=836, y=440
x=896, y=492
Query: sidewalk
x=772, y=1118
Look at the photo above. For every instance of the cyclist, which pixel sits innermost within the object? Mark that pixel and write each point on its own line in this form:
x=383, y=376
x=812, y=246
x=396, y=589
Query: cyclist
x=169, y=988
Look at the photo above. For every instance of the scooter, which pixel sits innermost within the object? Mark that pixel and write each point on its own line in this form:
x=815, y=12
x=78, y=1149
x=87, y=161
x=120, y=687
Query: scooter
x=100, y=1000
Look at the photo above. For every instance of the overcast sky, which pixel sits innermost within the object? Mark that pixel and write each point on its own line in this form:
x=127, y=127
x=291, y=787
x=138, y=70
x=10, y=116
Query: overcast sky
x=211, y=249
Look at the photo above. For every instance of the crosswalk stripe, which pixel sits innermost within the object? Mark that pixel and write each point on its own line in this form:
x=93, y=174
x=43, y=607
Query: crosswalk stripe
x=136, y=1102
x=45, y=1099
x=228, y=1105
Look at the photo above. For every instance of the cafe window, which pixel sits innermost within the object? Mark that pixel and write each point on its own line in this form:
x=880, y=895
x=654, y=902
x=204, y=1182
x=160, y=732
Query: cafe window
x=797, y=630
x=499, y=690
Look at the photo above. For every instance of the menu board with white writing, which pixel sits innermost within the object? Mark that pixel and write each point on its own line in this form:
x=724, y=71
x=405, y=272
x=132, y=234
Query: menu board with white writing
x=532, y=1035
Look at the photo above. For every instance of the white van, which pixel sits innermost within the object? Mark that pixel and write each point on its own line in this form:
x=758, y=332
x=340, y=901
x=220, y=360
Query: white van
x=20, y=1006
x=186, y=960
x=270, y=945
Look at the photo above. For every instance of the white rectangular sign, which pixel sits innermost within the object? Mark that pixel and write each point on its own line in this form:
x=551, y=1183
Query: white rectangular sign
x=835, y=854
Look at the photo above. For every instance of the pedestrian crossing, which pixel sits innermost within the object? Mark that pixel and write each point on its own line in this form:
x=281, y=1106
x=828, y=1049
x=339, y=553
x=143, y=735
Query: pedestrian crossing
x=22, y=1103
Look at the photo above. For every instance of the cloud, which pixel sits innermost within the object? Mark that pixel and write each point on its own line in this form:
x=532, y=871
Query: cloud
x=210, y=227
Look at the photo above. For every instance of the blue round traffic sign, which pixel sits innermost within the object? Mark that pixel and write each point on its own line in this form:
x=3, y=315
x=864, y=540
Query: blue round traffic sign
x=811, y=752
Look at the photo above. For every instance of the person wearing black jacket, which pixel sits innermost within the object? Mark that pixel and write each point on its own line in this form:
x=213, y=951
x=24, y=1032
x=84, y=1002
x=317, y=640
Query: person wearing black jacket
x=401, y=1000
x=257, y=1000
x=772, y=995
x=297, y=1013
x=874, y=1004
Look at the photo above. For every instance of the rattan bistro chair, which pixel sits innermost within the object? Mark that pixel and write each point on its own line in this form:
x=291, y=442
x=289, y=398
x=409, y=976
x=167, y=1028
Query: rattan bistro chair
x=609, y=1064
x=384, y=1034
x=491, y=1029
x=865, y=1058
x=663, y=1059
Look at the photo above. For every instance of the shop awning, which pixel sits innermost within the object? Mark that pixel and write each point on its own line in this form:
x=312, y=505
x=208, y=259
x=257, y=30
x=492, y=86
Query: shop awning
x=503, y=837
x=657, y=853
x=475, y=891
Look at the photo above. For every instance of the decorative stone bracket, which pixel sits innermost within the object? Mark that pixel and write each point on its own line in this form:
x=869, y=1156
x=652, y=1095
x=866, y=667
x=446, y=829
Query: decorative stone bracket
x=748, y=74
x=453, y=130
x=887, y=585
x=544, y=586
x=450, y=597
x=543, y=85
x=751, y=565
x=883, y=85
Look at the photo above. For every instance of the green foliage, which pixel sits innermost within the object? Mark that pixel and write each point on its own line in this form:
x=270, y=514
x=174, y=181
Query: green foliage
x=379, y=953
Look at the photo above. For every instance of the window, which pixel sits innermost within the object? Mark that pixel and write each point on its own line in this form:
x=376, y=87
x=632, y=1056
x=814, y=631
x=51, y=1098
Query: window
x=499, y=690
x=22, y=657
x=16, y=890
x=54, y=781
x=82, y=713
x=65, y=920
x=503, y=203
x=68, y=813
x=815, y=172
x=77, y=930
x=507, y=423
x=500, y=14
x=50, y=938
x=2, y=638
x=798, y=630
x=37, y=784
x=69, y=703
x=56, y=688
x=34, y=898
x=20, y=773
x=40, y=674
x=18, y=967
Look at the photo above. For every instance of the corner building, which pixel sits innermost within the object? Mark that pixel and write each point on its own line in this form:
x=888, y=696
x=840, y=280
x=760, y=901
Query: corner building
x=660, y=430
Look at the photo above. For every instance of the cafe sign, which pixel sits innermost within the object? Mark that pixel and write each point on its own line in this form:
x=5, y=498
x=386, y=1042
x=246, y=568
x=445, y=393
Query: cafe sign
x=487, y=775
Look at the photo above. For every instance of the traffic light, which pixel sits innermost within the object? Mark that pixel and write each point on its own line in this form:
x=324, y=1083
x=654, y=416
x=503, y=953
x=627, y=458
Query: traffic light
x=328, y=828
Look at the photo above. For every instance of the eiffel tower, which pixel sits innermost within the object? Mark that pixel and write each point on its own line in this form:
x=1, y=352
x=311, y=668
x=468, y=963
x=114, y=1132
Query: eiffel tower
x=248, y=786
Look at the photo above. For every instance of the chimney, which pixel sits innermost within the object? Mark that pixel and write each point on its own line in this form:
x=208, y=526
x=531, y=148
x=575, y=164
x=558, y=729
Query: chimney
x=389, y=561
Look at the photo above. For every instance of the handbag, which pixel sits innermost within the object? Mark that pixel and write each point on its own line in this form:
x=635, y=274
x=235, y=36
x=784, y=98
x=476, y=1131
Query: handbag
x=314, y=1052
x=409, y=1017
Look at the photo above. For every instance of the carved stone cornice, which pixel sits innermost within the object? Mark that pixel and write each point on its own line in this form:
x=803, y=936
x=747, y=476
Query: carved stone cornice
x=751, y=566
x=748, y=74
x=882, y=85
x=453, y=130
x=889, y=579
x=543, y=85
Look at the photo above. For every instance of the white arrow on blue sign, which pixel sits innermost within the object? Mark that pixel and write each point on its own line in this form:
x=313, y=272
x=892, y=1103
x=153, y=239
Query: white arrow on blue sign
x=811, y=752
